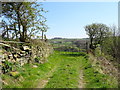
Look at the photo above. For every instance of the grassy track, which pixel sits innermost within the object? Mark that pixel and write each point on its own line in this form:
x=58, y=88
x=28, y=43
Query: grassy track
x=63, y=70
x=67, y=74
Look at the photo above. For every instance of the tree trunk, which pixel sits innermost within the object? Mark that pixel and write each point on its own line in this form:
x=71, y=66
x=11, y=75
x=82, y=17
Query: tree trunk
x=91, y=43
x=15, y=31
x=7, y=32
x=24, y=33
x=18, y=20
x=42, y=35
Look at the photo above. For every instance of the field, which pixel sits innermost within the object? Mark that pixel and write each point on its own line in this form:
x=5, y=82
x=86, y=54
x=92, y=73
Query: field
x=63, y=70
x=70, y=45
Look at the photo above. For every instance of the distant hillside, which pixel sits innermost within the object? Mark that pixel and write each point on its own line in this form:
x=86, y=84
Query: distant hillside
x=57, y=38
x=66, y=44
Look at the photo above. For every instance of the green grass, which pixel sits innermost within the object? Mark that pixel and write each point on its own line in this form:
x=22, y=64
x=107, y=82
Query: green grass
x=63, y=69
x=67, y=74
x=94, y=79
x=29, y=74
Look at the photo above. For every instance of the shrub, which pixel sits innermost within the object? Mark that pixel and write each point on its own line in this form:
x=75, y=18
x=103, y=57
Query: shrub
x=37, y=59
x=6, y=66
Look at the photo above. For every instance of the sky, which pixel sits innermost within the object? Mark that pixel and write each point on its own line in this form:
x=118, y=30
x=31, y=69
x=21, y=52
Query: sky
x=68, y=19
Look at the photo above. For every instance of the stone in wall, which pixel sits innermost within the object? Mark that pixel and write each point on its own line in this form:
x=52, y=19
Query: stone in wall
x=27, y=54
x=41, y=50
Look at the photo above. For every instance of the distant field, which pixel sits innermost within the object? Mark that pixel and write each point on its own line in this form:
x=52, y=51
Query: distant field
x=72, y=45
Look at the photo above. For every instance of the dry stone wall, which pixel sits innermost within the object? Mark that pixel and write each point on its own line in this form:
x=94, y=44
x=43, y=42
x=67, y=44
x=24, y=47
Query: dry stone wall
x=41, y=50
x=35, y=51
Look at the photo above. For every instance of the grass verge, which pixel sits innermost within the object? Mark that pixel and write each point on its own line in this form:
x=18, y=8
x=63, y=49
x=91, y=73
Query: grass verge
x=29, y=76
x=95, y=79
